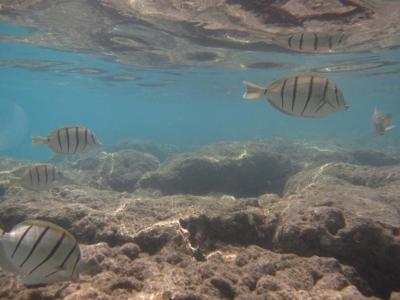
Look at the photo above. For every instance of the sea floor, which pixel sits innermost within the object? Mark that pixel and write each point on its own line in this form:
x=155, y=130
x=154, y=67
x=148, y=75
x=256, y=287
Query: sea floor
x=240, y=220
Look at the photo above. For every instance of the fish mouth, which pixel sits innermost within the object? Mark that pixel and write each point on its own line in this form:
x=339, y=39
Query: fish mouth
x=346, y=107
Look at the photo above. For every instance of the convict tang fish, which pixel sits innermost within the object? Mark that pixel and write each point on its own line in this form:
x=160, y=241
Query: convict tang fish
x=305, y=95
x=40, y=252
x=38, y=177
x=69, y=140
x=312, y=41
x=382, y=122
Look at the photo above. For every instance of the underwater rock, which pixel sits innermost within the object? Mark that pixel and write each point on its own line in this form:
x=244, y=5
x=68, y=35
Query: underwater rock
x=117, y=171
x=161, y=151
x=126, y=168
x=246, y=227
x=149, y=277
x=221, y=246
x=374, y=158
x=349, y=212
x=241, y=171
x=78, y=210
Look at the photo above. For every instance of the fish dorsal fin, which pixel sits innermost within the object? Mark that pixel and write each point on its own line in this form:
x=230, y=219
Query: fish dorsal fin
x=307, y=72
x=283, y=37
x=73, y=126
x=68, y=126
x=40, y=164
x=42, y=223
x=34, y=165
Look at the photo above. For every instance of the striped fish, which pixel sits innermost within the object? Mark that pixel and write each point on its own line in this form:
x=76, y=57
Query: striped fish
x=312, y=41
x=382, y=122
x=305, y=95
x=41, y=252
x=69, y=140
x=39, y=177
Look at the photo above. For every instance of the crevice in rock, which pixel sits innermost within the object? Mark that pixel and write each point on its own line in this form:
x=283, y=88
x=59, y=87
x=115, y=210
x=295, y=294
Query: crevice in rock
x=243, y=228
x=251, y=228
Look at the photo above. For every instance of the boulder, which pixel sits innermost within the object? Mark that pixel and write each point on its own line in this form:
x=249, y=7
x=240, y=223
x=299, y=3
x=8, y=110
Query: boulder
x=126, y=168
x=117, y=171
x=240, y=170
x=161, y=151
x=348, y=212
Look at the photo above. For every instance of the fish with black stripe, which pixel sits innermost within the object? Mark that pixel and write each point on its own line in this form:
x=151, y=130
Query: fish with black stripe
x=69, y=140
x=40, y=252
x=303, y=95
x=312, y=41
x=38, y=177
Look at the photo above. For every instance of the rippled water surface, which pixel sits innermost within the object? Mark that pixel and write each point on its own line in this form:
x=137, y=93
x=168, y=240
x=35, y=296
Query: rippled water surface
x=186, y=105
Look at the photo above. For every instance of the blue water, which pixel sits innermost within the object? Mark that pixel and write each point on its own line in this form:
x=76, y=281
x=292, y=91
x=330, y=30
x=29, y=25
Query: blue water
x=184, y=106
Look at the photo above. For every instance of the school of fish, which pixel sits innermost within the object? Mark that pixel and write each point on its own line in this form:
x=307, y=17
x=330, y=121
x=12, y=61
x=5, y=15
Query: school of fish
x=42, y=252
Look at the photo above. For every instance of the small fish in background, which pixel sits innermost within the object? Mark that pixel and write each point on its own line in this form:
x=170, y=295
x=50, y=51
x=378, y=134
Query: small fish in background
x=69, y=140
x=312, y=41
x=382, y=122
x=41, y=252
x=38, y=177
x=304, y=95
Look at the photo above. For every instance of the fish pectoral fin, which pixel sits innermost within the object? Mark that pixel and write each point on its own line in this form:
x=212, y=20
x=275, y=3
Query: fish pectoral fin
x=253, y=91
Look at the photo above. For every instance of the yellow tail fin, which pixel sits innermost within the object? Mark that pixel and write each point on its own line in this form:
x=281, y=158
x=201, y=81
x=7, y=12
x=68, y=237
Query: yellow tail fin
x=39, y=140
x=1, y=231
x=253, y=91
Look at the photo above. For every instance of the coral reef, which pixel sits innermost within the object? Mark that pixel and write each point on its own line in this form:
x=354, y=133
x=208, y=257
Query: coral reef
x=331, y=232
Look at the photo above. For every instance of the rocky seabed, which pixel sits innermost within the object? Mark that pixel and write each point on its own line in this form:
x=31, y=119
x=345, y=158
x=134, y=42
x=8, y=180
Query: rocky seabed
x=230, y=221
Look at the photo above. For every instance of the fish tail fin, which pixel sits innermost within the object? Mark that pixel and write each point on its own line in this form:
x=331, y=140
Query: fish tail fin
x=253, y=91
x=1, y=232
x=39, y=140
x=13, y=181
